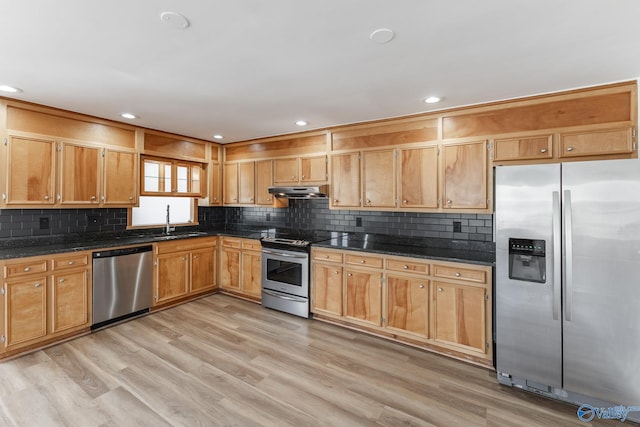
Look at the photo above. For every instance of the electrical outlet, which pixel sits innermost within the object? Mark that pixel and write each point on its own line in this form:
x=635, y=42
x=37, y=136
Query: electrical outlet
x=457, y=227
x=358, y=222
x=268, y=217
x=44, y=223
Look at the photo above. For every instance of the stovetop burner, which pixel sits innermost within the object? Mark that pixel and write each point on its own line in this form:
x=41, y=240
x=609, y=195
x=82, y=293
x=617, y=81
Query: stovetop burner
x=296, y=239
x=284, y=241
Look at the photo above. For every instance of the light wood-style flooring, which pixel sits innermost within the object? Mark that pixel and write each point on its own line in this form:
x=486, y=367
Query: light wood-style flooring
x=222, y=361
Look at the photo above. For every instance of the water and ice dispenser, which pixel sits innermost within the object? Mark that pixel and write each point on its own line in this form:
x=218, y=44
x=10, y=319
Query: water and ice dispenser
x=527, y=260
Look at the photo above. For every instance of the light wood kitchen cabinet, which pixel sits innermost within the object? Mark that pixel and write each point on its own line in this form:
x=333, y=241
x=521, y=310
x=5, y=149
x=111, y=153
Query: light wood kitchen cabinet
x=442, y=306
x=184, y=268
x=300, y=170
x=596, y=142
x=408, y=304
x=264, y=180
x=171, y=177
x=44, y=298
x=418, y=177
x=239, y=183
x=345, y=180
x=523, y=148
x=465, y=175
x=460, y=315
x=119, y=180
x=80, y=170
x=31, y=171
x=215, y=184
x=363, y=295
x=326, y=296
x=379, y=183
x=241, y=267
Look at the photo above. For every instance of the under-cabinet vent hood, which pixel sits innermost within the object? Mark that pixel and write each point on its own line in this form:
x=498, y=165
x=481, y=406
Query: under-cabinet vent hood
x=318, y=192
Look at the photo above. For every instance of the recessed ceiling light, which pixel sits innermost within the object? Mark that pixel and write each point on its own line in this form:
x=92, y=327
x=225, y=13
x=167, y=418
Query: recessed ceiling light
x=9, y=89
x=129, y=116
x=382, y=35
x=432, y=100
x=218, y=136
x=302, y=123
x=174, y=20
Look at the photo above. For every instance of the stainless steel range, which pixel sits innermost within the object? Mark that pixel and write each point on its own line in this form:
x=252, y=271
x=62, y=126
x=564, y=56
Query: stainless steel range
x=285, y=269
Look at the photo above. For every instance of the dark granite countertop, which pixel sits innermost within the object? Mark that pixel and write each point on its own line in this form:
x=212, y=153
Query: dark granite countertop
x=481, y=253
x=49, y=245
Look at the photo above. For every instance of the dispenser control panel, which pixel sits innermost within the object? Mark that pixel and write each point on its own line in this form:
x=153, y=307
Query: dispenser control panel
x=527, y=260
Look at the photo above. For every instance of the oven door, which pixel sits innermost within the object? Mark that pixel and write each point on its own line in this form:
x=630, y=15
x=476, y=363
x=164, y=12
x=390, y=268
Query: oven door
x=285, y=271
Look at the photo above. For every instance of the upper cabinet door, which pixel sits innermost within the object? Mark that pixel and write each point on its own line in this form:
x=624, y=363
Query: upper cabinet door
x=465, y=175
x=215, y=187
x=345, y=180
x=264, y=177
x=419, y=177
x=120, y=172
x=313, y=169
x=379, y=178
x=79, y=174
x=30, y=171
x=231, y=183
x=246, y=183
x=286, y=171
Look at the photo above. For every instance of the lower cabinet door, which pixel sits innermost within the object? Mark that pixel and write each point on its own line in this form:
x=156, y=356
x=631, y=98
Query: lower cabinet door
x=408, y=305
x=327, y=289
x=25, y=311
x=203, y=269
x=363, y=293
x=172, y=280
x=460, y=315
x=252, y=274
x=69, y=301
x=230, y=269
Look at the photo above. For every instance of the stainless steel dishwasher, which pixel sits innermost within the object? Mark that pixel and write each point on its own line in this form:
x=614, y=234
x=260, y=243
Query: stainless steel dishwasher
x=122, y=282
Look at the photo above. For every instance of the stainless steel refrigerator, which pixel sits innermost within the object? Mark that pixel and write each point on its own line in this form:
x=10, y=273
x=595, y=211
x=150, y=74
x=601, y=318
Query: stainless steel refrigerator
x=568, y=280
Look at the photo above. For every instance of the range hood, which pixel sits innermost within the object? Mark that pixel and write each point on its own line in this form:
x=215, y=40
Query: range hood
x=319, y=192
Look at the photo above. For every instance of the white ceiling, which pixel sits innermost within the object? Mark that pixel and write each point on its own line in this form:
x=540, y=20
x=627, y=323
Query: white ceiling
x=251, y=68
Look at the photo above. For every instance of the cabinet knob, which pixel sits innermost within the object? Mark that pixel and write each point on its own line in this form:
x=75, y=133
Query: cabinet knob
x=458, y=274
x=368, y=201
x=335, y=200
x=27, y=269
x=93, y=197
x=130, y=197
x=421, y=286
x=569, y=148
x=184, y=258
x=195, y=257
x=251, y=200
x=449, y=201
x=326, y=257
x=60, y=280
x=336, y=272
x=362, y=261
x=37, y=285
x=302, y=176
x=405, y=201
x=268, y=199
x=543, y=150
x=439, y=289
x=349, y=274
x=46, y=197
x=71, y=262
x=293, y=177
x=405, y=266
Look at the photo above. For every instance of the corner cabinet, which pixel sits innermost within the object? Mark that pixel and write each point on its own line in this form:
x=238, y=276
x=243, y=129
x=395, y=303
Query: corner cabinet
x=440, y=306
x=45, y=299
x=183, y=269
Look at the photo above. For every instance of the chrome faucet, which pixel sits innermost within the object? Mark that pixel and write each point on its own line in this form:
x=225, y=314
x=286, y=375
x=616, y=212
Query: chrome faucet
x=168, y=228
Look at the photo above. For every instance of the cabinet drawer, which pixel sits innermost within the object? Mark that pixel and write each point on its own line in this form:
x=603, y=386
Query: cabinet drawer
x=408, y=266
x=327, y=256
x=609, y=141
x=253, y=245
x=185, y=245
x=16, y=269
x=230, y=243
x=368, y=261
x=531, y=147
x=466, y=274
x=72, y=261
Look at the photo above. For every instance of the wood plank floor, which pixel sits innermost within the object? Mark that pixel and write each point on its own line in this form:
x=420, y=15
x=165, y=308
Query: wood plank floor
x=223, y=361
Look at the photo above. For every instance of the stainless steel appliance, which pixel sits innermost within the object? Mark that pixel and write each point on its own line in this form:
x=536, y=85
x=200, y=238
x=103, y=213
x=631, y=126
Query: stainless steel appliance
x=122, y=284
x=285, y=268
x=568, y=281
x=318, y=192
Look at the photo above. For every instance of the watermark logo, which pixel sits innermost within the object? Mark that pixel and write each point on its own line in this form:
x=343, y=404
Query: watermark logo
x=587, y=412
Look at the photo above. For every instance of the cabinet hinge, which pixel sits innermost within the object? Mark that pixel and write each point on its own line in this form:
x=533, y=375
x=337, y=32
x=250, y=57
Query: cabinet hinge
x=2, y=291
x=486, y=345
x=383, y=320
x=59, y=147
x=3, y=339
x=438, y=151
x=6, y=142
x=490, y=150
x=633, y=134
x=103, y=152
x=4, y=196
x=634, y=146
x=486, y=297
x=155, y=296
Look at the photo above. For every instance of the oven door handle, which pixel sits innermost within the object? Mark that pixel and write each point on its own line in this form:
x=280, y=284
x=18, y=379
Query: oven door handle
x=278, y=295
x=265, y=251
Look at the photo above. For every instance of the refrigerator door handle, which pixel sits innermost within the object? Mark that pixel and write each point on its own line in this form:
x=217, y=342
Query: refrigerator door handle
x=568, y=247
x=556, y=239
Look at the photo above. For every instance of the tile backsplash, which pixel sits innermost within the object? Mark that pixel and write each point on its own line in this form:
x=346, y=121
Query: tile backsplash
x=303, y=214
